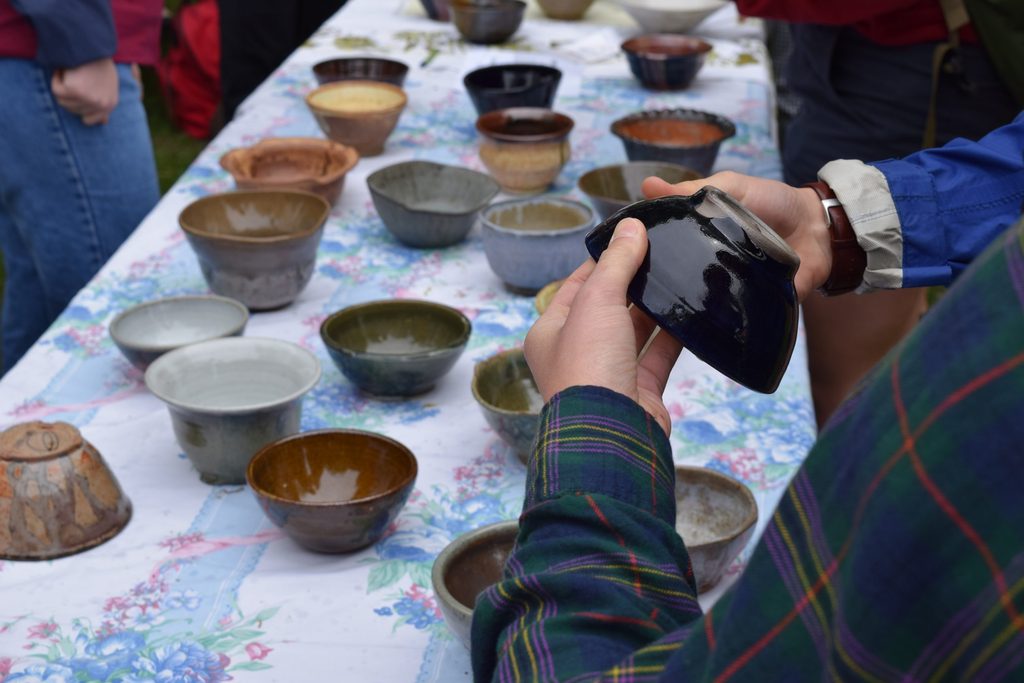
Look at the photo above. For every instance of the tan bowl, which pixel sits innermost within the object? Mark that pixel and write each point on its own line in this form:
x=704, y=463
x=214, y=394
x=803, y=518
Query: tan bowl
x=57, y=495
x=309, y=164
x=524, y=148
x=546, y=294
x=359, y=114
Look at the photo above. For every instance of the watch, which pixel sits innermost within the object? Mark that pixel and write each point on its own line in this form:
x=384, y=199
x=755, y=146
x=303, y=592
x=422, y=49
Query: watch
x=848, y=257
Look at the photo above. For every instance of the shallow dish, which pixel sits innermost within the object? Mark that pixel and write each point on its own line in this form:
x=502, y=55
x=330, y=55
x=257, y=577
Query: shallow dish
x=57, y=494
x=230, y=397
x=715, y=515
x=665, y=61
x=468, y=566
x=361, y=69
x=145, y=332
x=504, y=388
x=686, y=137
x=360, y=114
x=398, y=347
x=718, y=280
x=310, y=164
x=670, y=16
x=428, y=205
x=333, y=490
x=531, y=242
x=487, y=22
x=512, y=85
x=524, y=148
x=258, y=247
x=610, y=188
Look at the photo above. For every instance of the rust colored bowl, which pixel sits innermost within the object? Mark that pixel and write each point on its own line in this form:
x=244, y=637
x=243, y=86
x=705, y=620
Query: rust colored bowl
x=524, y=148
x=57, y=495
x=309, y=164
x=360, y=114
x=687, y=137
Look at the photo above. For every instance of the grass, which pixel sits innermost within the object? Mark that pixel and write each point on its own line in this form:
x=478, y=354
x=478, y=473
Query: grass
x=173, y=149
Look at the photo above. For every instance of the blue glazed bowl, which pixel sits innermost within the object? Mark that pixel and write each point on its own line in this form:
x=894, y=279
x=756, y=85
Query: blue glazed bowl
x=687, y=137
x=665, y=61
x=512, y=85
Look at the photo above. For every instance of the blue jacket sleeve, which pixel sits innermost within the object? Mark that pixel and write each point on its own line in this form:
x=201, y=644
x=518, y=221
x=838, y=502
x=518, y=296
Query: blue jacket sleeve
x=954, y=200
x=70, y=32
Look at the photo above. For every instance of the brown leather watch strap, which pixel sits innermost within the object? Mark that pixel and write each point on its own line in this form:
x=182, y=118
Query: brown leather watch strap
x=848, y=257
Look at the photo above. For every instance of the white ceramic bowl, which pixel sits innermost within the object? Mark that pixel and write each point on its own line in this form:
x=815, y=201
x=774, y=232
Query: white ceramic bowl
x=670, y=16
x=145, y=332
x=230, y=397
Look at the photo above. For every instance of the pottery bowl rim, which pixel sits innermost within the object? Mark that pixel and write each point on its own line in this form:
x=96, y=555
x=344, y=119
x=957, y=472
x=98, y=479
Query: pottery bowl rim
x=609, y=168
x=416, y=305
x=515, y=353
x=456, y=548
x=400, y=69
x=725, y=125
x=377, y=183
x=217, y=301
x=588, y=221
x=348, y=156
x=546, y=72
x=685, y=46
x=396, y=451
x=357, y=113
x=313, y=228
x=502, y=7
x=492, y=123
x=737, y=487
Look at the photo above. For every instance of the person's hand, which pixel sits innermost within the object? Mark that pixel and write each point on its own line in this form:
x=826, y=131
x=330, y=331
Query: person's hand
x=89, y=90
x=588, y=336
x=794, y=213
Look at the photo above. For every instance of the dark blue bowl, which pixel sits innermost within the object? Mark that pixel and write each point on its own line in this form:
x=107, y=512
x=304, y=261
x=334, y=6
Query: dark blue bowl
x=687, y=137
x=665, y=61
x=512, y=85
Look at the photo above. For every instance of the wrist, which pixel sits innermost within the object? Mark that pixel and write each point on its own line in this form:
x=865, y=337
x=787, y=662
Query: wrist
x=847, y=260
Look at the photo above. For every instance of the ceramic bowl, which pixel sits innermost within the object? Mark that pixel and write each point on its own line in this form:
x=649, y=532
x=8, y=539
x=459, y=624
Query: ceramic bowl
x=670, y=16
x=258, y=247
x=546, y=294
x=718, y=279
x=361, y=69
x=430, y=205
x=359, y=114
x=145, y=332
x=310, y=164
x=58, y=497
x=230, y=397
x=566, y=10
x=334, y=490
x=503, y=386
x=524, y=148
x=438, y=10
x=716, y=516
x=530, y=242
x=512, y=85
x=487, y=23
x=610, y=188
x=398, y=347
x=665, y=61
x=686, y=137
x=468, y=566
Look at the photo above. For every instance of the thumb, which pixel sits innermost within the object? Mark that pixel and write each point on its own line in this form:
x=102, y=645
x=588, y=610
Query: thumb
x=620, y=261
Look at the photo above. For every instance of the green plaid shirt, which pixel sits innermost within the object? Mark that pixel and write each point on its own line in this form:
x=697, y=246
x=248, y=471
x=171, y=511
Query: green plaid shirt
x=896, y=554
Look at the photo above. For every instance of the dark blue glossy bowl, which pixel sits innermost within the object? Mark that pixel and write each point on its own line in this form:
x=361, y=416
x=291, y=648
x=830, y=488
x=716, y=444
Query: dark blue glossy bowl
x=512, y=85
x=665, y=61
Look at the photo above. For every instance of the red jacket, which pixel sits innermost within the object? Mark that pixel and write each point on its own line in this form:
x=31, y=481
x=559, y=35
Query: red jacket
x=886, y=22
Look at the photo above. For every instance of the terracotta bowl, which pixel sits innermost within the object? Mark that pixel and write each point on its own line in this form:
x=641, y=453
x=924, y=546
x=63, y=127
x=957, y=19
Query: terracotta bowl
x=716, y=516
x=361, y=69
x=398, y=347
x=531, y=242
x=512, y=85
x=310, y=164
x=230, y=397
x=487, y=22
x=566, y=10
x=546, y=294
x=145, y=332
x=670, y=16
x=466, y=567
x=524, y=148
x=610, y=188
x=428, y=205
x=665, y=61
x=686, y=137
x=503, y=386
x=258, y=247
x=438, y=10
x=57, y=494
x=359, y=114
x=333, y=490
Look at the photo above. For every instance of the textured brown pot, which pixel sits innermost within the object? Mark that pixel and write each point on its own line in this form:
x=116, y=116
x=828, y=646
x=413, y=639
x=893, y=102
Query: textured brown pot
x=309, y=164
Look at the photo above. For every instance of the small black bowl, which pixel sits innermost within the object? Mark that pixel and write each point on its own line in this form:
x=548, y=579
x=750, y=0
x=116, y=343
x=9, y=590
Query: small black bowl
x=361, y=69
x=665, y=61
x=512, y=85
x=718, y=280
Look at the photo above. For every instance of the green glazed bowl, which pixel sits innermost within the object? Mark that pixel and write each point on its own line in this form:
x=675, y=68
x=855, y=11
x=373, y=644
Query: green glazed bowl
x=397, y=347
x=503, y=386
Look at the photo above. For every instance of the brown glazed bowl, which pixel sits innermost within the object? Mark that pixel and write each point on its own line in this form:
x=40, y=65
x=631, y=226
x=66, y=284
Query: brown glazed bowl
x=468, y=566
x=258, y=247
x=665, y=61
x=524, y=148
x=333, y=490
x=359, y=114
x=687, y=137
x=610, y=188
x=508, y=396
x=57, y=495
x=487, y=22
x=566, y=10
x=310, y=164
x=715, y=515
x=361, y=69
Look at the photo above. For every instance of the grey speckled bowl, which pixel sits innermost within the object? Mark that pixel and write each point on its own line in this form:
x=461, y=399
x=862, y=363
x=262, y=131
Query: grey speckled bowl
x=429, y=205
x=466, y=567
x=511, y=403
x=716, y=516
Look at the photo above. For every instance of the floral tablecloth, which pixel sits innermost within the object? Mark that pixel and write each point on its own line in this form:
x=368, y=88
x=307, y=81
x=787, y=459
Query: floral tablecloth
x=199, y=585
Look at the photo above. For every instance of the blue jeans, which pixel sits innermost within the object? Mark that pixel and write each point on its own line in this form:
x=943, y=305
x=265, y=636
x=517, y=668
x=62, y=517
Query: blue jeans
x=69, y=196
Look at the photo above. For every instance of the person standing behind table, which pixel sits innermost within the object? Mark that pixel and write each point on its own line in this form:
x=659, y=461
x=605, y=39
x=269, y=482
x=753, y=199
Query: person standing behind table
x=76, y=163
x=863, y=72
x=895, y=553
